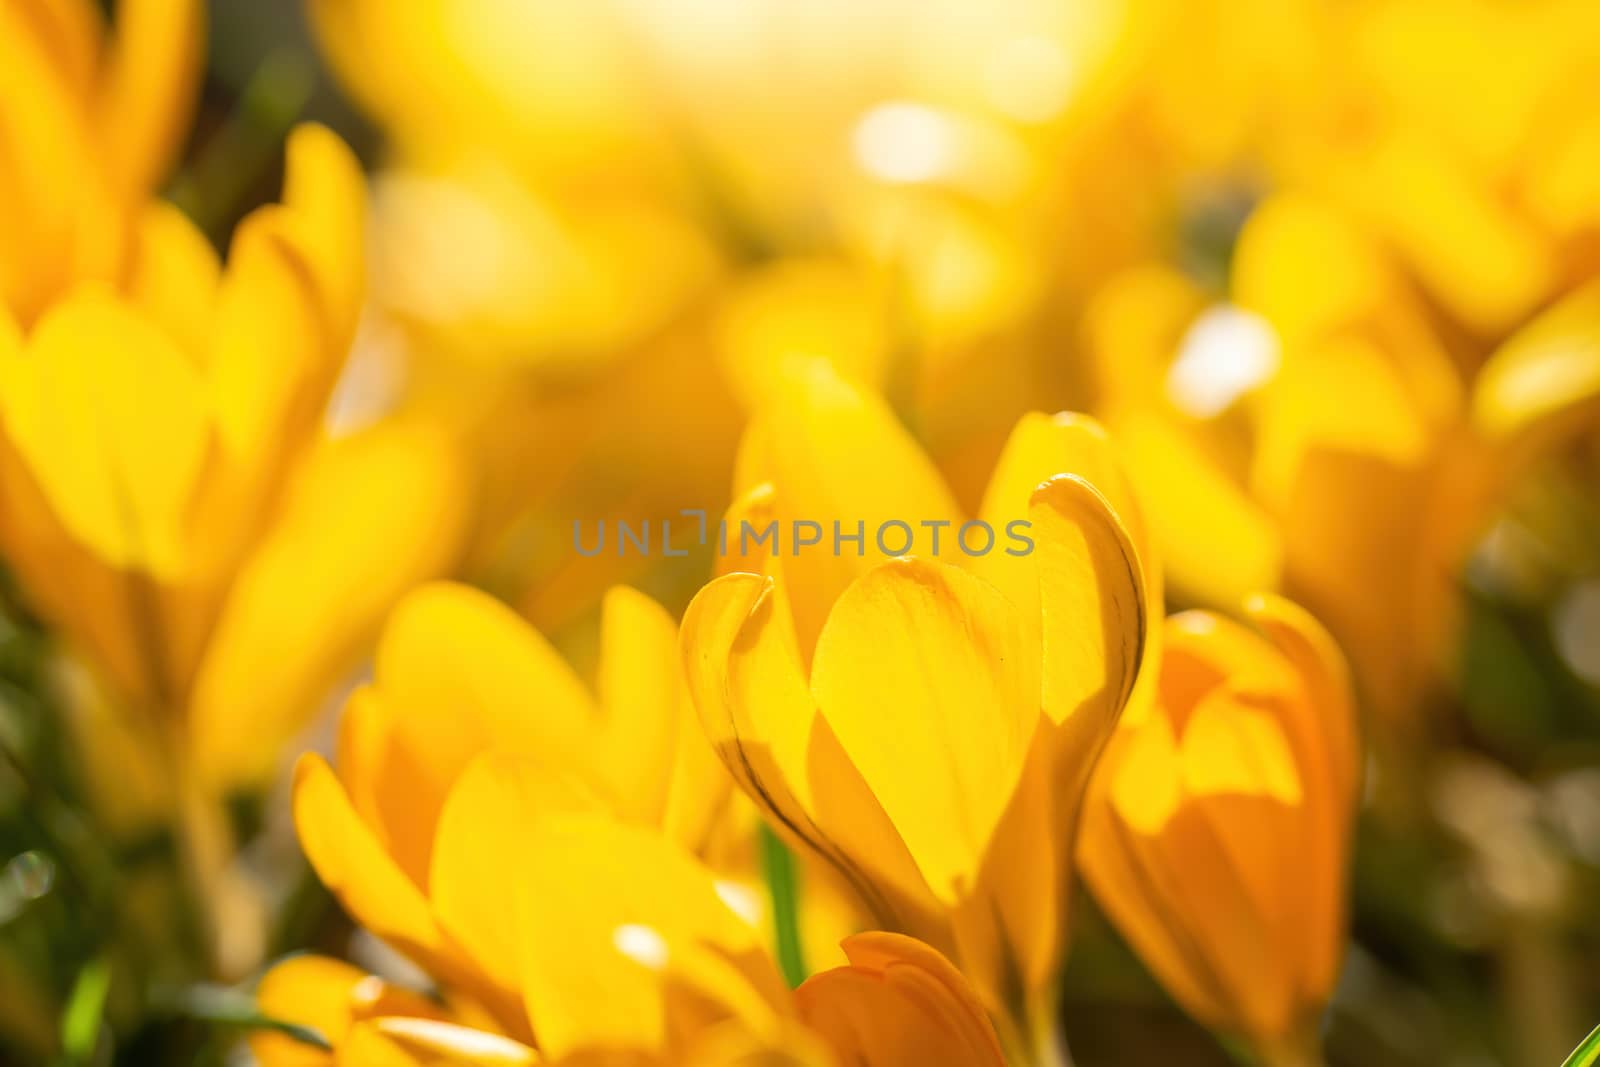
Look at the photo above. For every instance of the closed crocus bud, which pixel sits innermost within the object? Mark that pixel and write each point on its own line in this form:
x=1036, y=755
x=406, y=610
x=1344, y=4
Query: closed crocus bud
x=1217, y=830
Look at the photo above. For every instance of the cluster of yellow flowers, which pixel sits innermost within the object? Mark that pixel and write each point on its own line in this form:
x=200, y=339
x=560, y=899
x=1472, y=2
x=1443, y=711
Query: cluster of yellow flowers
x=1314, y=285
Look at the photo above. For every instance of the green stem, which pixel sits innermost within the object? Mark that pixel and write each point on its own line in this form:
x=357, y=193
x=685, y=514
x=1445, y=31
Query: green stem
x=778, y=868
x=211, y=190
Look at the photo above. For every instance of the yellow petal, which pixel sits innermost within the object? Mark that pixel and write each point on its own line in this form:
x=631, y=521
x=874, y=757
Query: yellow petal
x=324, y=190
x=148, y=88
x=1091, y=592
x=1039, y=448
x=839, y=455
x=1322, y=670
x=925, y=677
x=173, y=277
x=464, y=673
x=606, y=954
x=328, y=996
x=287, y=303
x=1548, y=369
x=312, y=991
x=63, y=222
x=1486, y=264
x=898, y=1002
x=748, y=686
x=655, y=759
x=1345, y=394
x=1134, y=792
x=639, y=690
x=354, y=866
x=1351, y=528
x=111, y=419
x=410, y=1042
x=1318, y=719
x=310, y=599
x=802, y=309
x=71, y=35
x=1291, y=233
x=1009, y=934
x=1217, y=544
x=479, y=830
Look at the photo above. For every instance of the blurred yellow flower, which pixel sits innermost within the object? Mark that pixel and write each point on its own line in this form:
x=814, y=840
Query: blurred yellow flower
x=169, y=503
x=1463, y=132
x=90, y=120
x=471, y=717
x=1218, y=829
x=172, y=510
x=626, y=952
x=927, y=727
x=599, y=248
x=1324, y=440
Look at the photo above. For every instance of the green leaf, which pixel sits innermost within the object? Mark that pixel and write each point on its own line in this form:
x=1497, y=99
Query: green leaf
x=81, y=1019
x=777, y=866
x=1586, y=1054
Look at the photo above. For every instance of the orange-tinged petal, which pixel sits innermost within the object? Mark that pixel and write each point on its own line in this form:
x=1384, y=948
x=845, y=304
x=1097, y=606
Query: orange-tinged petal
x=1134, y=792
x=311, y=991
x=1311, y=651
x=148, y=88
x=1319, y=722
x=925, y=677
x=898, y=1002
x=328, y=996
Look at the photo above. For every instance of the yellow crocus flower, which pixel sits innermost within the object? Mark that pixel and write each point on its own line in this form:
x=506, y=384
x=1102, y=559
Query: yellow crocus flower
x=927, y=727
x=470, y=705
x=1324, y=441
x=90, y=119
x=169, y=506
x=626, y=952
x=1217, y=832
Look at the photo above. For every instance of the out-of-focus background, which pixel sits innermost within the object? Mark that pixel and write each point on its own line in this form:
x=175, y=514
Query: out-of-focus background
x=1326, y=270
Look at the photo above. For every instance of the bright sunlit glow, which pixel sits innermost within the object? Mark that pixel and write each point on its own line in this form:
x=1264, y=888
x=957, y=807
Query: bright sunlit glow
x=478, y=1045
x=904, y=142
x=641, y=944
x=1226, y=353
x=741, y=900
